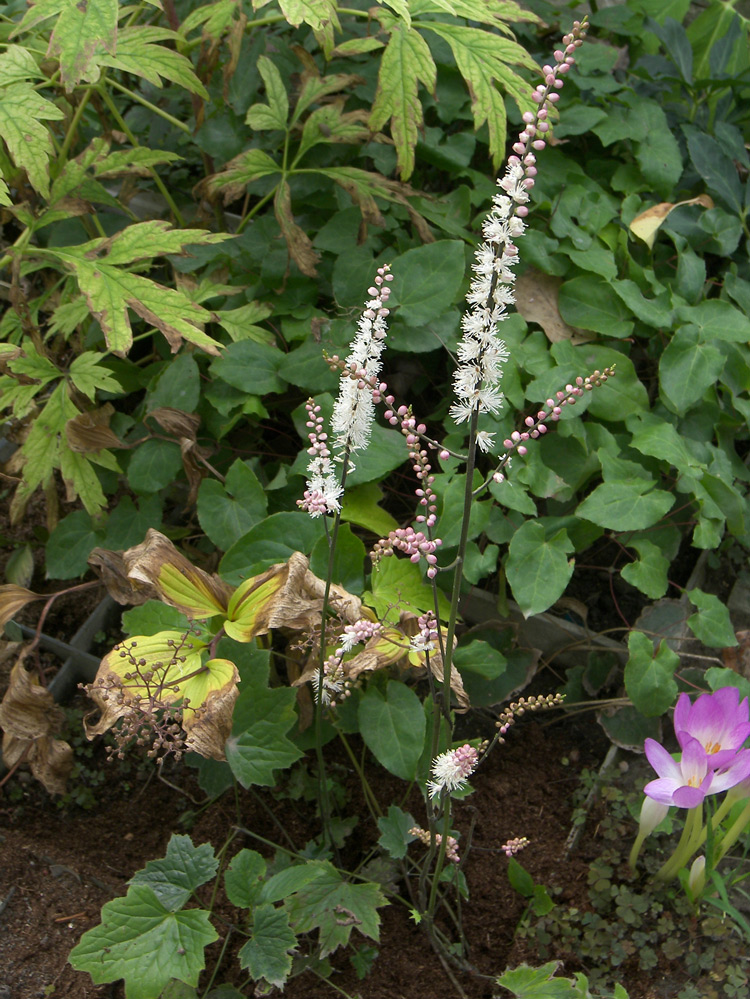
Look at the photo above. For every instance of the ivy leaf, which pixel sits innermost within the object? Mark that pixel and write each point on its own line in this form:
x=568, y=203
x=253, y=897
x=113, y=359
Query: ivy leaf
x=649, y=572
x=82, y=32
x=262, y=718
x=394, y=832
x=482, y=58
x=538, y=568
x=688, y=367
x=649, y=675
x=22, y=111
x=266, y=954
x=397, y=585
x=406, y=61
x=227, y=512
x=274, y=114
x=712, y=624
x=625, y=505
x=138, y=54
x=335, y=907
x=184, y=868
x=140, y=940
x=393, y=727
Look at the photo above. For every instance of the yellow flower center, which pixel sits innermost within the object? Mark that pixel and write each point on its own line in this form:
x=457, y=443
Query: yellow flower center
x=713, y=747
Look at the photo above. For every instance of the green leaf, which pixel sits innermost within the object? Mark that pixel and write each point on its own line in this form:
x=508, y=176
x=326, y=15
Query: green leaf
x=243, y=878
x=81, y=481
x=625, y=505
x=272, y=540
x=538, y=568
x=427, y=280
x=658, y=154
x=266, y=954
x=348, y=563
x=178, y=386
x=144, y=943
x=717, y=320
x=22, y=111
x=70, y=545
x=252, y=367
x=649, y=675
x=137, y=54
x=397, y=586
x=406, y=61
x=716, y=167
x=323, y=903
x=360, y=506
x=482, y=58
x=393, y=727
x=712, y=624
x=241, y=171
x=538, y=983
x=656, y=437
x=241, y=323
x=394, y=832
x=590, y=303
x=274, y=114
x=127, y=523
x=453, y=508
x=152, y=617
x=227, y=512
x=88, y=375
x=289, y=880
x=81, y=33
x=154, y=466
x=728, y=499
x=184, y=868
x=262, y=717
x=688, y=367
x=649, y=572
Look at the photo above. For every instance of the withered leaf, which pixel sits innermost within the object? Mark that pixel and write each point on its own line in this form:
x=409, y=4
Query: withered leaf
x=176, y=422
x=12, y=599
x=647, y=224
x=111, y=569
x=298, y=242
x=29, y=718
x=90, y=431
x=537, y=301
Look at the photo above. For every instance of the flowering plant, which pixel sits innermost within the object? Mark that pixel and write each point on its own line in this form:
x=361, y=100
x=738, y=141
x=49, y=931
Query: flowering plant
x=711, y=733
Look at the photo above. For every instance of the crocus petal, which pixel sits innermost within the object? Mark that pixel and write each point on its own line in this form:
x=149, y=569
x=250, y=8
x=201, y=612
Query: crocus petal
x=688, y=797
x=662, y=761
x=737, y=771
x=681, y=715
x=662, y=790
x=694, y=762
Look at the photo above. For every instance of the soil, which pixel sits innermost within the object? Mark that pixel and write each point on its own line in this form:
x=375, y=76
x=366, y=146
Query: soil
x=59, y=866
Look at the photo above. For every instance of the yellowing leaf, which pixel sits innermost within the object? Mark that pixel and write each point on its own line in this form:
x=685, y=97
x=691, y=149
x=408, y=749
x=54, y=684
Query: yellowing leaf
x=111, y=291
x=251, y=604
x=406, y=61
x=317, y=13
x=241, y=171
x=22, y=111
x=138, y=54
x=647, y=224
x=17, y=63
x=274, y=114
x=483, y=60
x=83, y=31
x=189, y=594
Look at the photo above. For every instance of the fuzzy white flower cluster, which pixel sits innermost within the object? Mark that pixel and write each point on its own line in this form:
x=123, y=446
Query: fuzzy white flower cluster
x=324, y=490
x=481, y=353
x=354, y=410
x=451, y=769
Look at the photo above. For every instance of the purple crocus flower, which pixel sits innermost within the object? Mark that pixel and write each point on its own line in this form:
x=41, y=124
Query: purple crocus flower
x=718, y=721
x=686, y=784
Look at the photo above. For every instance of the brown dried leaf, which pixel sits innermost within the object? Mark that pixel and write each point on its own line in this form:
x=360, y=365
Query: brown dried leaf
x=537, y=302
x=12, y=599
x=90, y=431
x=111, y=569
x=29, y=717
x=298, y=242
x=647, y=224
x=193, y=470
x=177, y=423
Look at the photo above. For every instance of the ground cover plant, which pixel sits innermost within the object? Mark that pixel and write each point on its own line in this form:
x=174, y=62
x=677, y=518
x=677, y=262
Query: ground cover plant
x=193, y=420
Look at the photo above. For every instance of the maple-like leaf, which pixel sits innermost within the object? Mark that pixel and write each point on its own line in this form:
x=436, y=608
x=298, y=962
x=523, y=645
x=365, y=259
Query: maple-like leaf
x=22, y=111
x=138, y=53
x=273, y=115
x=111, y=290
x=483, y=60
x=406, y=61
x=84, y=31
